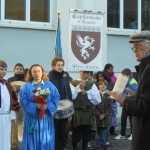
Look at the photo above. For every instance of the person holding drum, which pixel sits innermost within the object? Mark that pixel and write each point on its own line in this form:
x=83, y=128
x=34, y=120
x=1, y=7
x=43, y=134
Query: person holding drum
x=85, y=95
x=38, y=129
x=8, y=106
x=17, y=81
x=56, y=76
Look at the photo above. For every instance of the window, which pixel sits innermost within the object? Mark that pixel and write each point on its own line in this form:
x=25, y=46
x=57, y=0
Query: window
x=27, y=13
x=126, y=15
x=15, y=9
x=39, y=10
x=130, y=14
x=145, y=15
x=113, y=13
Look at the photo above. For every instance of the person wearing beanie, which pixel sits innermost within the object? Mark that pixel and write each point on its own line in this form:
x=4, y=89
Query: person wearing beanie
x=131, y=85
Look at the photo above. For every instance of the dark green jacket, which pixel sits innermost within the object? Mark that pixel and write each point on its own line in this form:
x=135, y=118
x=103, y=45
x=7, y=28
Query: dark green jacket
x=83, y=114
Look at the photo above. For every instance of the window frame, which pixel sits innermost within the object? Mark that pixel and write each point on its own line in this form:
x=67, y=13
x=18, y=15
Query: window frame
x=27, y=23
x=121, y=30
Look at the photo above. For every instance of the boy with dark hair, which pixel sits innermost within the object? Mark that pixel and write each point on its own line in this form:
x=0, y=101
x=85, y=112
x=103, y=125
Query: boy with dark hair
x=131, y=85
x=8, y=105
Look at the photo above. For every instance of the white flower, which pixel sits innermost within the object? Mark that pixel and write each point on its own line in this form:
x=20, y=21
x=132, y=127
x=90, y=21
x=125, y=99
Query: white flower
x=36, y=94
x=42, y=92
x=38, y=89
x=47, y=90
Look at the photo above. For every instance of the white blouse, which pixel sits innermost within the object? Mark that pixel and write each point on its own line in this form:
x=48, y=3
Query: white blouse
x=93, y=94
x=5, y=102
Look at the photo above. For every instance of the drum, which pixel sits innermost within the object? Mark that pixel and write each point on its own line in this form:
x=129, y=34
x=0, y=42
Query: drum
x=17, y=125
x=17, y=85
x=65, y=109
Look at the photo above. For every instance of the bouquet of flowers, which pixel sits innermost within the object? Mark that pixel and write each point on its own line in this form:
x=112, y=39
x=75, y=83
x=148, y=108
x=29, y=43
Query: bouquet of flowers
x=40, y=96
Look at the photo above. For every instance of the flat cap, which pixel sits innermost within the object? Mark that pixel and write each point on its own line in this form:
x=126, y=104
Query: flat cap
x=139, y=36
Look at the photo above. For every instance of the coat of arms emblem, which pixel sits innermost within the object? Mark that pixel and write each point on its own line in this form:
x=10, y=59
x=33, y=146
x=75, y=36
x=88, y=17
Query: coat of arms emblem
x=85, y=45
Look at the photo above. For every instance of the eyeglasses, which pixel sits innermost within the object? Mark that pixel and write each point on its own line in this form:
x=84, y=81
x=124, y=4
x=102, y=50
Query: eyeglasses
x=137, y=47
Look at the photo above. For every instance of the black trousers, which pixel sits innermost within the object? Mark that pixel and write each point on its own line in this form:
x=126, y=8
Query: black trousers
x=61, y=133
x=124, y=117
x=80, y=132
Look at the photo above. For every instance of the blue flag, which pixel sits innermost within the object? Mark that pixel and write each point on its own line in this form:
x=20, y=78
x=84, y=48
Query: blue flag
x=58, y=48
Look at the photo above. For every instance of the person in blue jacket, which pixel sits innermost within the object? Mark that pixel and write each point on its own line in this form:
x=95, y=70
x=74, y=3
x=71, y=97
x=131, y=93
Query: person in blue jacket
x=131, y=85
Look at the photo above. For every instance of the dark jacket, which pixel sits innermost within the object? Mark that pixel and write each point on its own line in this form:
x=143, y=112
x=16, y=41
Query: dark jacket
x=61, y=83
x=139, y=107
x=16, y=77
x=105, y=107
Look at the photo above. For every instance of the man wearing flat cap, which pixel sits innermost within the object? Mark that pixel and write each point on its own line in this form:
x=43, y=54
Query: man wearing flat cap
x=139, y=104
x=85, y=94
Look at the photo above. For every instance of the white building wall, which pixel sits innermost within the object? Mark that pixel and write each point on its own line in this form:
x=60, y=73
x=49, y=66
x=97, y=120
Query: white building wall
x=29, y=46
x=26, y=46
x=120, y=53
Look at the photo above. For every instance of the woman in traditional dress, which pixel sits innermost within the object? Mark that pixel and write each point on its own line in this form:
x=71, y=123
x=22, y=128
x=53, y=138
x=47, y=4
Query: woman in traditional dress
x=38, y=132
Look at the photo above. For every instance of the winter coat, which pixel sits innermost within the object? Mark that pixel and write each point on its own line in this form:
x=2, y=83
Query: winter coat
x=61, y=83
x=139, y=107
x=16, y=77
x=105, y=107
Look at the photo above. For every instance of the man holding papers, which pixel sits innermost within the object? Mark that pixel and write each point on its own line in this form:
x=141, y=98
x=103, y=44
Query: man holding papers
x=139, y=104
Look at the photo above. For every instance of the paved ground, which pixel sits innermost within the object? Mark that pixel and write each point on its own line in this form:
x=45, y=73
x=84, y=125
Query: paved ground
x=114, y=144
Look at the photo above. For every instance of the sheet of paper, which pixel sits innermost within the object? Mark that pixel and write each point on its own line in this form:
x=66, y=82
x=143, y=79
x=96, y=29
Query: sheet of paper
x=120, y=83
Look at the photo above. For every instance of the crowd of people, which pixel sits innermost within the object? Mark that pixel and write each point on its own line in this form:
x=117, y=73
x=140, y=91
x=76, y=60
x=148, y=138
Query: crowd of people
x=94, y=109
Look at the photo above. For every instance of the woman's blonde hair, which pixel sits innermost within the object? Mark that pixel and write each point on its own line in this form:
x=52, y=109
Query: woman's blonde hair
x=29, y=73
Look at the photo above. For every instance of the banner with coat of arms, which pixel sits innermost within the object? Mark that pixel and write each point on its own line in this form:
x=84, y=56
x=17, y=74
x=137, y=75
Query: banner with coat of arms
x=85, y=41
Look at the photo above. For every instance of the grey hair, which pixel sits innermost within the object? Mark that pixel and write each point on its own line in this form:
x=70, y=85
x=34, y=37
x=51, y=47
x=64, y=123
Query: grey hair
x=147, y=42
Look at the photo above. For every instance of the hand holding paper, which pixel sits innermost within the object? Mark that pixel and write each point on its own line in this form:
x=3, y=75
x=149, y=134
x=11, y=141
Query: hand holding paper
x=130, y=92
x=119, y=87
x=119, y=97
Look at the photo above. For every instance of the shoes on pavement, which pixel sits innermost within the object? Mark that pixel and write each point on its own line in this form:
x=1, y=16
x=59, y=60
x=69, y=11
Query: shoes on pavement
x=89, y=145
x=107, y=143
x=120, y=137
x=130, y=137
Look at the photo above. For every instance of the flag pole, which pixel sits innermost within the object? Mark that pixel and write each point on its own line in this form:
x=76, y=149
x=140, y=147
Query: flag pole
x=58, y=48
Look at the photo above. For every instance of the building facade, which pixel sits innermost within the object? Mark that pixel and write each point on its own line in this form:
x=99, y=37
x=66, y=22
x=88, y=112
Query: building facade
x=28, y=30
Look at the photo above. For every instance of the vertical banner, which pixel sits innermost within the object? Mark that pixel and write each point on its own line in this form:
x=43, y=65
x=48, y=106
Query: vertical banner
x=85, y=41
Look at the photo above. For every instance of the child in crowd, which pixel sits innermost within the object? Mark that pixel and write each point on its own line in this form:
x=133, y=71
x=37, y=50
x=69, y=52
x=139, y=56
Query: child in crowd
x=102, y=112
